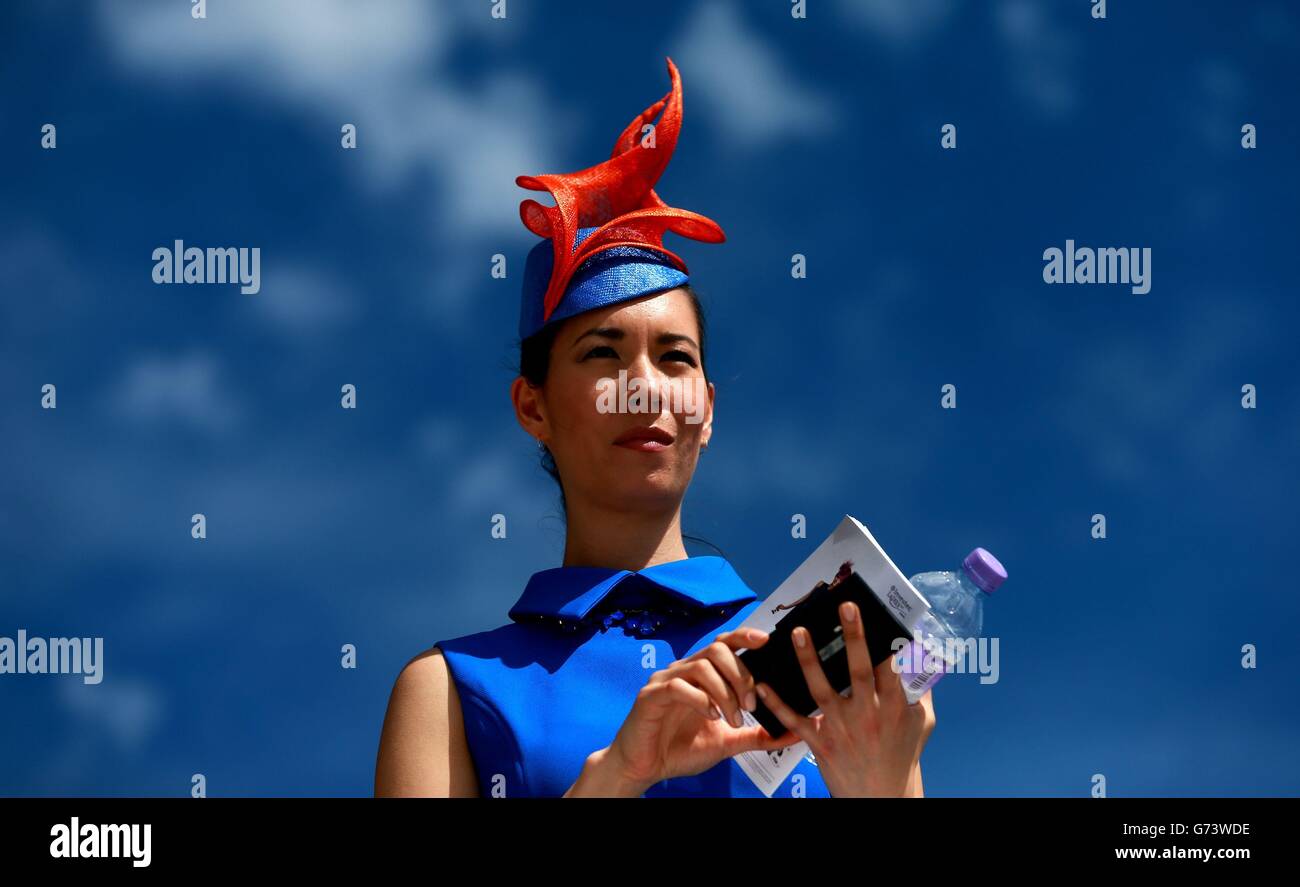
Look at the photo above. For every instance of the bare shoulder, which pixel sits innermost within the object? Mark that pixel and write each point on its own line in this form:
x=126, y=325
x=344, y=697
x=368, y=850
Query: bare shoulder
x=423, y=751
x=424, y=673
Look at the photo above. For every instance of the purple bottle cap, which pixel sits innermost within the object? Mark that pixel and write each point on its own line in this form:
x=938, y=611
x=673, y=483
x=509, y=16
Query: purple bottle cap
x=984, y=570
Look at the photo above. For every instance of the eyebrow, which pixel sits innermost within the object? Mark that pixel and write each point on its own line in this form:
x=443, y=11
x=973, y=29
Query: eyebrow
x=613, y=332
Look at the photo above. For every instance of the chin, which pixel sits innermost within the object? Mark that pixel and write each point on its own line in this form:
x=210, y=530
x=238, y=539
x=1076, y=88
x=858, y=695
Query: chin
x=651, y=489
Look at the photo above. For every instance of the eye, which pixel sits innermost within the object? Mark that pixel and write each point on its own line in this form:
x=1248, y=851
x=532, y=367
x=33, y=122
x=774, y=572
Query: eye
x=683, y=356
x=601, y=351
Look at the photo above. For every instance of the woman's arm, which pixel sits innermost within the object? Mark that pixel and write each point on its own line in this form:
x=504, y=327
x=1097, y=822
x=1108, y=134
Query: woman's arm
x=914, y=787
x=601, y=777
x=423, y=751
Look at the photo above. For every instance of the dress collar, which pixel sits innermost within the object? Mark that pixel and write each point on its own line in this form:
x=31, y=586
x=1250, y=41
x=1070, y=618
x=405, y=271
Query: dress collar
x=570, y=593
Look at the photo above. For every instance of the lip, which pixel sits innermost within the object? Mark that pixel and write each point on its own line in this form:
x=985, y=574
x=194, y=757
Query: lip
x=645, y=438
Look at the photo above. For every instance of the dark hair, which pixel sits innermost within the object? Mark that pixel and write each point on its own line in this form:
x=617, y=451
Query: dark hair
x=535, y=362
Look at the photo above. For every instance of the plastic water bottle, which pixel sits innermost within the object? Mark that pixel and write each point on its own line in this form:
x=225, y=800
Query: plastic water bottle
x=956, y=612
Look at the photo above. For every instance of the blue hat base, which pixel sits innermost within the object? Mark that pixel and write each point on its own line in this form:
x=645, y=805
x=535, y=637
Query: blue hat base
x=614, y=275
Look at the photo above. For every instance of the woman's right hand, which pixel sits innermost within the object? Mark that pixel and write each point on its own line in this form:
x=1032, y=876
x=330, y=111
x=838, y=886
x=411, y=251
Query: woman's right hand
x=675, y=728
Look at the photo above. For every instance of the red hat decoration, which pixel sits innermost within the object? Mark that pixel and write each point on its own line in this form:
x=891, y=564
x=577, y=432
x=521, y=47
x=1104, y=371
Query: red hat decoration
x=617, y=198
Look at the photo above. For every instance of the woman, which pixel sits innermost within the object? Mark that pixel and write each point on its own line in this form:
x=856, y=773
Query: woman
x=618, y=674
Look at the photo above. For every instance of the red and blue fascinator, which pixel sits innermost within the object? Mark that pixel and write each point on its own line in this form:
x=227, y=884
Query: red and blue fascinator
x=604, y=235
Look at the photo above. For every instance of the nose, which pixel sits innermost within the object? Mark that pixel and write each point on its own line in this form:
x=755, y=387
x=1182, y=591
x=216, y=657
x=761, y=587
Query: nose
x=655, y=380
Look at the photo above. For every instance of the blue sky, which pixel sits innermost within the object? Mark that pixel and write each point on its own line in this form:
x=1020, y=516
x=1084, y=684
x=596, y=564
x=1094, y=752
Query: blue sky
x=1119, y=656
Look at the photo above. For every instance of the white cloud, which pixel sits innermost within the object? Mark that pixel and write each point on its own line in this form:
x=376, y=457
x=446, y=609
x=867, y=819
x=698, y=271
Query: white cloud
x=1040, y=55
x=185, y=388
x=127, y=710
x=1216, y=109
x=1157, y=395
x=491, y=477
x=381, y=66
x=478, y=475
x=900, y=23
x=299, y=300
x=749, y=93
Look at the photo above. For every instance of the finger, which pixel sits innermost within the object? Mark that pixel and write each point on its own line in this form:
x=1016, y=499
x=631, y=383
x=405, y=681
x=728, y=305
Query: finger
x=861, y=678
x=813, y=675
x=757, y=739
x=889, y=683
x=743, y=638
x=704, y=674
x=730, y=666
x=659, y=697
x=736, y=639
x=796, y=723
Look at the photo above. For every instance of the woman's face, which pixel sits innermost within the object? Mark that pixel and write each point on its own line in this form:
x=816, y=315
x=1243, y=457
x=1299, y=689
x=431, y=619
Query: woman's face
x=625, y=408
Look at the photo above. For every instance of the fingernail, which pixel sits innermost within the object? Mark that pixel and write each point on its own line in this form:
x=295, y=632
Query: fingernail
x=799, y=638
x=716, y=714
x=847, y=612
x=751, y=703
x=737, y=720
x=762, y=692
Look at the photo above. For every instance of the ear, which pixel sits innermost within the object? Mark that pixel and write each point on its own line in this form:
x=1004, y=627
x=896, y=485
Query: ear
x=530, y=408
x=707, y=431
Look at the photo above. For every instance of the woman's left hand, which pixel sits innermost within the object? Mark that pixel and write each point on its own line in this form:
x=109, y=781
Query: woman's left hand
x=868, y=743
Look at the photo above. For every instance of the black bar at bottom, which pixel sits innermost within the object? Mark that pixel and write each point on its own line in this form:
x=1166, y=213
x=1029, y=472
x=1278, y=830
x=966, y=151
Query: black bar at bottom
x=302, y=835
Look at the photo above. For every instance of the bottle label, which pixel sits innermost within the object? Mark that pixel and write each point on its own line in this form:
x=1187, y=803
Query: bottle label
x=918, y=669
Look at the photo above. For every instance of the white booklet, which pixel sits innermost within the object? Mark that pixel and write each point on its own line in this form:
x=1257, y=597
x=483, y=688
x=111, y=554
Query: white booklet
x=850, y=544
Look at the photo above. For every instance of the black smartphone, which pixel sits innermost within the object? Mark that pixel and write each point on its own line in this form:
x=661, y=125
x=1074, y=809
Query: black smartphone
x=776, y=664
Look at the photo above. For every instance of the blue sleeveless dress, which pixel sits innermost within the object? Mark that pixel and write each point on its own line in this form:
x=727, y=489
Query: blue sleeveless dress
x=542, y=693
